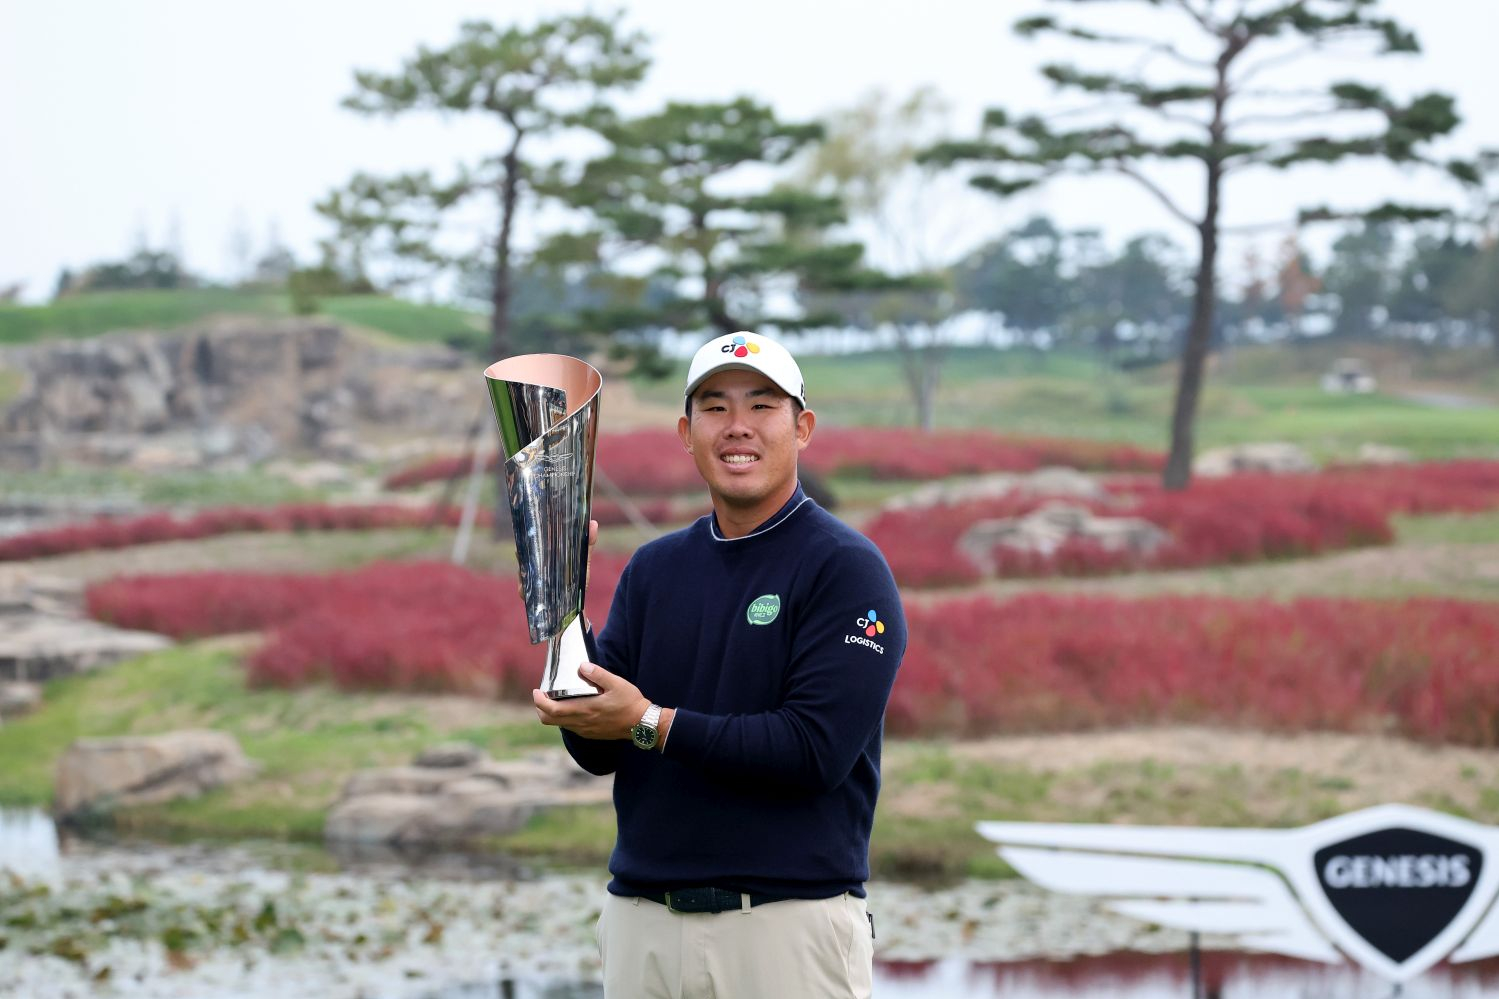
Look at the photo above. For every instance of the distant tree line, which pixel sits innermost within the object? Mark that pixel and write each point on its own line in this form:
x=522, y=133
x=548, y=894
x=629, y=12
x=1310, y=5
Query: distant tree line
x=722, y=215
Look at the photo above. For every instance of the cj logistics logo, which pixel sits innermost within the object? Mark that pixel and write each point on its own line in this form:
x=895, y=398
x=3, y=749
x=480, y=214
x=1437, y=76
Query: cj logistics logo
x=740, y=347
x=871, y=625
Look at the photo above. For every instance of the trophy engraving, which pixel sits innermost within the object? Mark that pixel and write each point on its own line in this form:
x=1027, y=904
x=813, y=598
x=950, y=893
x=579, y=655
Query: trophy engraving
x=547, y=408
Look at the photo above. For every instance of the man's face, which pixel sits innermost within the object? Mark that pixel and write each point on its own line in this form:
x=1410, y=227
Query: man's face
x=744, y=435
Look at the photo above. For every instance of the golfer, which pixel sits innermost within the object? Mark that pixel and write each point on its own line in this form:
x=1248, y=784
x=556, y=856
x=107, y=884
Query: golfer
x=743, y=675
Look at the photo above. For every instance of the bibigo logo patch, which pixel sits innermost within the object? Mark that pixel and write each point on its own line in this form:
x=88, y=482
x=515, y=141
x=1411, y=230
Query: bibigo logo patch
x=740, y=347
x=763, y=610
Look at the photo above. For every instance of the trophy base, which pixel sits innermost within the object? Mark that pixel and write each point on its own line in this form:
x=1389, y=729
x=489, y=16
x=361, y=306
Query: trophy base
x=565, y=654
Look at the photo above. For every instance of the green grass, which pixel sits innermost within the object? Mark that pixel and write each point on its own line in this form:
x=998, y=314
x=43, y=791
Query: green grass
x=408, y=321
x=306, y=742
x=167, y=488
x=105, y=312
x=1457, y=528
x=1068, y=395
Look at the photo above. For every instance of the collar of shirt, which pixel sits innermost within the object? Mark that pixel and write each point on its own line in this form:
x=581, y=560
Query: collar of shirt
x=795, y=503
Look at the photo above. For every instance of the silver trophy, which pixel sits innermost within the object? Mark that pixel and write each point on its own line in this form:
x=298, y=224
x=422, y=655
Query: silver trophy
x=547, y=406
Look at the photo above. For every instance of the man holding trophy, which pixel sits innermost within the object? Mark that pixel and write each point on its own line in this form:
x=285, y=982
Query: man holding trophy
x=741, y=686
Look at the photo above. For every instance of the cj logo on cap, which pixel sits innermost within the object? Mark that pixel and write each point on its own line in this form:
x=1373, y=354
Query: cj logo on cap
x=740, y=347
x=763, y=610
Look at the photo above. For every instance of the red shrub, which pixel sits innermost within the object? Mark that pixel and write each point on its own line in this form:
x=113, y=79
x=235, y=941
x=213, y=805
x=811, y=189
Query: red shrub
x=1056, y=663
x=388, y=626
x=1240, y=518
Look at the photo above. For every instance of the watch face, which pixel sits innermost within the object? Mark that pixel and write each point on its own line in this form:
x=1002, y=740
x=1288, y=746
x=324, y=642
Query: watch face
x=644, y=736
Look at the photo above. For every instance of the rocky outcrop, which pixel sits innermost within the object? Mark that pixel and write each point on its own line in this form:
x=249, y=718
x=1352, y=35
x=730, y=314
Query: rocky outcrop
x=97, y=775
x=43, y=633
x=1052, y=481
x=233, y=392
x=1053, y=525
x=455, y=795
x=1270, y=456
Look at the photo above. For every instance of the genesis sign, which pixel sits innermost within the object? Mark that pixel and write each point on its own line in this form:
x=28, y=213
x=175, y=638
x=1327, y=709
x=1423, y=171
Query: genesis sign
x=1394, y=888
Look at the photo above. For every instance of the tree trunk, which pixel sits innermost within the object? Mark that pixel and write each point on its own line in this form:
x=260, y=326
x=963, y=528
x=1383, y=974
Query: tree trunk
x=1178, y=473
x=718, y=313
x=499, y=316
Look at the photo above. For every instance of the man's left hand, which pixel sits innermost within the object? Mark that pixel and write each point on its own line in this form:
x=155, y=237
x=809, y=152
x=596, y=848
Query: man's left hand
x=609, y=714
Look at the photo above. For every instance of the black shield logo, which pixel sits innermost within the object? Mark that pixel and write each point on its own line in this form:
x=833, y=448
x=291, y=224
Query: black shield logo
x=1398, y=888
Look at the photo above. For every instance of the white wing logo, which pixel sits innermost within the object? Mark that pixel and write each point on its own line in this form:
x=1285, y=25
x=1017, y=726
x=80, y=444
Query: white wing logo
x=1395, y=888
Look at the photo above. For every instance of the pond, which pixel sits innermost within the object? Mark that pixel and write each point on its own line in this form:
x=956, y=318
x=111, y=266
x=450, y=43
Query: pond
x=269, y=922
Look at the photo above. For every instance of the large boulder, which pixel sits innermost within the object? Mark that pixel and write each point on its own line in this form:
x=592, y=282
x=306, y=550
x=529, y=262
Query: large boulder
x=103, y=774
x=454, y=795
x=1270, y=456
x=1047, y=529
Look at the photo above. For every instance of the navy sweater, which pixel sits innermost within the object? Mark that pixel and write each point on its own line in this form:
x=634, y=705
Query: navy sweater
x=778, y=651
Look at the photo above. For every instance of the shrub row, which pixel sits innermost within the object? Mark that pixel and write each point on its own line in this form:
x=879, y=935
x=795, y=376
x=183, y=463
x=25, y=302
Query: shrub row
x=653, y=462
x=1236, y=519
x=424, y=626
x=1042, y=662
x=125, y=532
x=975, y=666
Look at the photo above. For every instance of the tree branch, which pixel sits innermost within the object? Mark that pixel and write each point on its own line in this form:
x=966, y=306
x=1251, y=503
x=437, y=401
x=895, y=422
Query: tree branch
x=1316, y=46
x=1267, y=118
x=1155, y=189
x=1200, y=17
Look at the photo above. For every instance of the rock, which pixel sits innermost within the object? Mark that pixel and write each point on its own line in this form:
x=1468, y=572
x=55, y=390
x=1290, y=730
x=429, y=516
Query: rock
x=18, y=698
x=451, y=754
x=1050, y=481
x=1383, y=454
x=1047, y=529
x=456, y=802
x=44, y=635
x=96, y=774
x=1276, y=457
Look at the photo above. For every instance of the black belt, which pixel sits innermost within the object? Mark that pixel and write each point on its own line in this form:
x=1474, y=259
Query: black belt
x=708, y=899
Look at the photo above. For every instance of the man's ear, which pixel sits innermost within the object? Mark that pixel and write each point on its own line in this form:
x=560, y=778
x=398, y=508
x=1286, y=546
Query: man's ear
x=684, y=433
x=806, y=422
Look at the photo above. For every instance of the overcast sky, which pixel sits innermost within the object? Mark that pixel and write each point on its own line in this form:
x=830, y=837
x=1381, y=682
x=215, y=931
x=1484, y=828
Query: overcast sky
x=189, y=121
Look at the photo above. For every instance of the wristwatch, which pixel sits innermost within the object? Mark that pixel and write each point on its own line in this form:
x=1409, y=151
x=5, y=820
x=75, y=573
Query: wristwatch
x=645, y=734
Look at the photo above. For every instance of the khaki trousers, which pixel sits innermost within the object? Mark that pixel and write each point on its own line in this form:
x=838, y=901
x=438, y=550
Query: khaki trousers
x=818, y=949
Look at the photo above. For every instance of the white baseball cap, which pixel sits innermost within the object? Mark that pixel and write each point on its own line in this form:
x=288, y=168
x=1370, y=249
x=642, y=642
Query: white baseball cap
x=750, y=352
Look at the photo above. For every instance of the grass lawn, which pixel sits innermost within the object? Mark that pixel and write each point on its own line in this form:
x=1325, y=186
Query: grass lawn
x=306, y=741
x=105, y=312
x=1067, y=395
x=184, y=487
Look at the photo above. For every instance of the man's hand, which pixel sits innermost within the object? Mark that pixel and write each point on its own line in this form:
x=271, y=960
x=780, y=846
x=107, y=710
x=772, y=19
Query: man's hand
x=609, y=714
